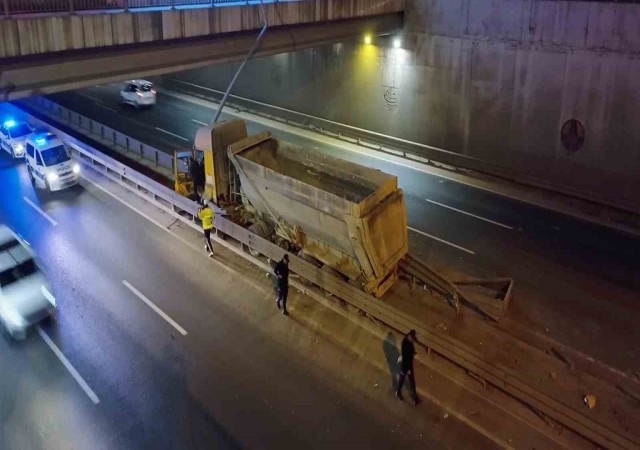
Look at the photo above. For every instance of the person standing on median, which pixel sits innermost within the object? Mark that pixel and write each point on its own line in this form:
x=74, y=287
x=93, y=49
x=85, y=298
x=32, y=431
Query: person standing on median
x=206, y=216
x=281, y=271
x=408, y=350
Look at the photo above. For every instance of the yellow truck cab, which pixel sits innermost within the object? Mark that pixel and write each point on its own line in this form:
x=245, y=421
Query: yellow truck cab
x=188, y=173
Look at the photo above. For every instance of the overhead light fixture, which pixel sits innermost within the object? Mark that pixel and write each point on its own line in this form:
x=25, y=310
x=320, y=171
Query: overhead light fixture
x=397, y=42
x=367, y=39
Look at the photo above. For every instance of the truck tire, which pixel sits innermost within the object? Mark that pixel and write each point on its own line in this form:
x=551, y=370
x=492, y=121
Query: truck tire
x=262, y=229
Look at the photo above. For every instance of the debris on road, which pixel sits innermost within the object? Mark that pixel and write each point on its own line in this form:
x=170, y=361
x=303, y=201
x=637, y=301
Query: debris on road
x=590, y=401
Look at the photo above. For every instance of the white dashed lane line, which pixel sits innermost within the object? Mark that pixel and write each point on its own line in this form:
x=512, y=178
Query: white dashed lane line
x=37, y=208
x=151, y=305
x=430, y=236
x=65, y=362
x=469, y=214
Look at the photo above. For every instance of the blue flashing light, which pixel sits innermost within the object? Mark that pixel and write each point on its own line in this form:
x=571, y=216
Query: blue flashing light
x=10, y=123
x=41, y=141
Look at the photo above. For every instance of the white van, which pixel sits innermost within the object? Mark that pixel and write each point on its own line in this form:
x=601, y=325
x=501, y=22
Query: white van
x=50, y=164
x=25, y=296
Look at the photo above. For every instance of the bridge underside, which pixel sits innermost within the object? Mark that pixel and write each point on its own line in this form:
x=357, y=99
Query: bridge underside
x=55, y=72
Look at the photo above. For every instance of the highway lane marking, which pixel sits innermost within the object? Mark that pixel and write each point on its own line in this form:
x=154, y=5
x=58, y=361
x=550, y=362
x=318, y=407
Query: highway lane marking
x=151, y=305
x=158, y=224
x=150, y=219
x=199, y=123
x=65, y=362
x=106, y=107
x=469, y=214
x=442, y=240
x=96, y=101
x=44, y=214
x=172, y=134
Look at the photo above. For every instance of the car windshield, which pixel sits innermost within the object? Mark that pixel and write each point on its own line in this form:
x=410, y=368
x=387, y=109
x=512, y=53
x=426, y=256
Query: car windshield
x=55, y=155
x=15, y=263
x=145, y=88
x=22, y=129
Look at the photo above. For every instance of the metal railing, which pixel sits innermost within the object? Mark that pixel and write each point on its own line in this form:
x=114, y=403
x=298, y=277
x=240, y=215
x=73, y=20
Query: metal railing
x=115, y=140
x=399, y=147
x=9, y=8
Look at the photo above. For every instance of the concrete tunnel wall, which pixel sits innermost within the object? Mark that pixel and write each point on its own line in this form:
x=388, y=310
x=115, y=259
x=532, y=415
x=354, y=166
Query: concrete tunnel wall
x=490, y=79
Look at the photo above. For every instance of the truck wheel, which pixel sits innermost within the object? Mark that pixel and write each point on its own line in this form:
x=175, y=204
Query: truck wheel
x=262, y=229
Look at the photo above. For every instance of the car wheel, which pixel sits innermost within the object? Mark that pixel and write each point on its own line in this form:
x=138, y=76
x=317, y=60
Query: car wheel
x=47, y=186
x=31, y=177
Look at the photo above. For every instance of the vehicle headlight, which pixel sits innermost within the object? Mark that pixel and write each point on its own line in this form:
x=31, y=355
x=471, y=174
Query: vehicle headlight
x=52, y=177
x=19, y=148
x=76, y=168
x=48, y=295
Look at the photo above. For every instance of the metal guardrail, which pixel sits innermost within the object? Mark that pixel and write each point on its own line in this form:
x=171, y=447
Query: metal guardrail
x=348, y=133
x=410, y=150
x=99, y=132
x=504, y=378
x=11, y=8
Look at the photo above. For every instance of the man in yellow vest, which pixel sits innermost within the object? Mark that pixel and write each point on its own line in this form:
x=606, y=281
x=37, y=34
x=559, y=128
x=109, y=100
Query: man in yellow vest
x=206, y=216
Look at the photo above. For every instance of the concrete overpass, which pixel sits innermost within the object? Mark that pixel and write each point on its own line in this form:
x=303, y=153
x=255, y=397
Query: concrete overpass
x=51, y=53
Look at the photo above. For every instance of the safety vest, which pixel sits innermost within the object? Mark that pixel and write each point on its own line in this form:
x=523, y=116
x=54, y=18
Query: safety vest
x=206, y=215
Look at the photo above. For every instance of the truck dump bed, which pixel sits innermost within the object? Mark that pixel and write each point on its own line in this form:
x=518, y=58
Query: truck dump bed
x=350, y=217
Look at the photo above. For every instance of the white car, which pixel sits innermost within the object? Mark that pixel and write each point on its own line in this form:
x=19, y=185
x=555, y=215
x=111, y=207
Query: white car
x=25, y=296
x=13, y=134
x=49, y=163
x=138, y=93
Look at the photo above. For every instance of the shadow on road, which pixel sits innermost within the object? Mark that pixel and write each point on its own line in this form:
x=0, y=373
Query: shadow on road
x=391, y=354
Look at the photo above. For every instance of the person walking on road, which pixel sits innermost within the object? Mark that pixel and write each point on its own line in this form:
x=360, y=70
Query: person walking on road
x=206, y=216
x=281, y=271
x=408, y=350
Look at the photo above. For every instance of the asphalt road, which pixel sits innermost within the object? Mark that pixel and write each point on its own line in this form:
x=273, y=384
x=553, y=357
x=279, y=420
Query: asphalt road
x=225, y=384
x=576, y=281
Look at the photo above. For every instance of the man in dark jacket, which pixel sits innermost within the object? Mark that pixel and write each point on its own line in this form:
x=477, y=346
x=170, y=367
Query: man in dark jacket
x=282, y=272
x=406, y=366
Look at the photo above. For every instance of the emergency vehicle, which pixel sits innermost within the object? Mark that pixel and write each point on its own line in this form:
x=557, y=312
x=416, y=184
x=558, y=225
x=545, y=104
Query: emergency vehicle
x=13, y=134
x=49, y=163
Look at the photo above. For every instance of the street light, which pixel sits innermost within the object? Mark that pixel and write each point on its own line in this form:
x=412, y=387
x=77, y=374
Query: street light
x=367, y=39
x=397, y=42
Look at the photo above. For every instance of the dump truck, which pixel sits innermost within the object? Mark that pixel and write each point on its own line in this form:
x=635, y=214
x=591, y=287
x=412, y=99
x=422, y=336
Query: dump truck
x=346, y=218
